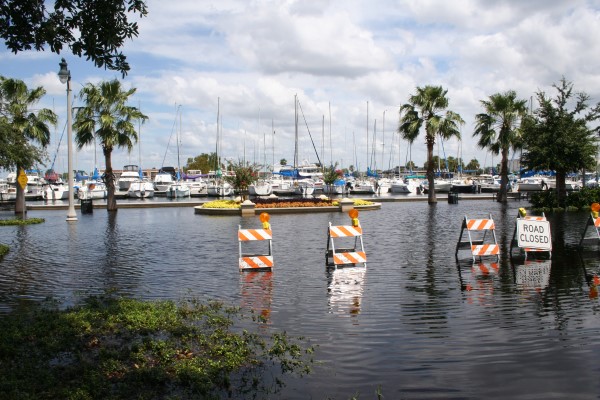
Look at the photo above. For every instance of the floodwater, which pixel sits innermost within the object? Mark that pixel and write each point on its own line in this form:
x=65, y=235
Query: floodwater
x=413, y=324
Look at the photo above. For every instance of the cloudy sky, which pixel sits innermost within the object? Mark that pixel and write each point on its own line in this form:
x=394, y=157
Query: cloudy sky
x=351, y=63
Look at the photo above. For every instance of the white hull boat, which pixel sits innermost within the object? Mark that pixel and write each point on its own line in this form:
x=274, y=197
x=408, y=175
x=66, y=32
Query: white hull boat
x=178, y=190
x=141, y=190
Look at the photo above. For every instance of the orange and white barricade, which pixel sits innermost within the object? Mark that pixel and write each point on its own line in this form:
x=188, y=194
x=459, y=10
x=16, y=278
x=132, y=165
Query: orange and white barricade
x=593, y=221
x=539, y=232
x=256, y=261
x=481, y=238
x=350, y=255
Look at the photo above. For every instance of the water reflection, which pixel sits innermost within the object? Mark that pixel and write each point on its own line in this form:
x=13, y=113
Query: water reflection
x=345, y=288
x=256, y=292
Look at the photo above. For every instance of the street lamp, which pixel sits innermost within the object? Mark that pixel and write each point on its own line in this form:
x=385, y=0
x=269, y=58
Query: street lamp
x=65, y=77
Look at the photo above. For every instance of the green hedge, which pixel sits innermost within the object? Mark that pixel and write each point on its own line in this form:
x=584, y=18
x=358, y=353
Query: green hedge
x=580, y=200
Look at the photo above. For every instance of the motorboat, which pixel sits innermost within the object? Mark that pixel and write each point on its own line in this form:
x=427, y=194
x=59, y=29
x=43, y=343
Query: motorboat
x=405, y=186
x=8, y=192
x=440, y=186
x=282, y=187
x=131, y=173
x=465, y=185
x=304, y=187
x=141, y=189
x=93, y=190
x=178, y=190
x=56, y=191
x=489, y=183
x=530, y=184
x=162, y=181
x=362, y=187
x=219, y=189
x=197, y=187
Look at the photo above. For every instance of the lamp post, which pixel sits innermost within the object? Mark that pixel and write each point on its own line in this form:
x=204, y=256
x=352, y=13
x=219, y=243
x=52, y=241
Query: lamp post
x=65, y=77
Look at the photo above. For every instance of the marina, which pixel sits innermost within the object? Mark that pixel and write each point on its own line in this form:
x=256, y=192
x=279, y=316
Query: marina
x=415, y=323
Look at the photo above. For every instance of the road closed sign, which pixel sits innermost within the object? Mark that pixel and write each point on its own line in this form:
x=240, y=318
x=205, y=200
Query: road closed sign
x=534, y=234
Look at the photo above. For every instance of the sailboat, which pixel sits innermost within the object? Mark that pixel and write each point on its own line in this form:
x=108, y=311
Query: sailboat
x=218, y=187
x=178, y=189
x=141, y=188
x=261, y=187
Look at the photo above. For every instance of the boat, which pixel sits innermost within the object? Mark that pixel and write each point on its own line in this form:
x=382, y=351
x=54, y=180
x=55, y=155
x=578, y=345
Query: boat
x=197, y=187
x=218, y=186
x=440, y=186
x=178, y=190
x=163, y=180
x=489, y=183
x=282, y=186
x=336, y=188
x=464, y=185
x=141, y=189
x=261, y=187
x=362, y=186
x=93, y=190
x=406, y=186
x=8, y=192
x=304, y=187
x=530, y=184
x=131, y=173
x=56, y=191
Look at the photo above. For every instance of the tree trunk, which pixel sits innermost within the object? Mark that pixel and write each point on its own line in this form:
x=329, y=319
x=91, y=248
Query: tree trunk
x=20, y=207
x=502, y=196
x=109, y=180
x=561, y=189
x=431, y=197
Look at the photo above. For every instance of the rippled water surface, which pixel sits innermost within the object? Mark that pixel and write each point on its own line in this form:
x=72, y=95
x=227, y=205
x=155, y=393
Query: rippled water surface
x=414, y=323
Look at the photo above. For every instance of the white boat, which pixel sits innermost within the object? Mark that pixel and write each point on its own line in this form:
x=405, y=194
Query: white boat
x=531, y=184
x=440, y=186
x=141, y=189
x=219, y=189
x=464, y=185
x=336, y=188
x=489, y=183
x=362, y=187
x=261, y=187
x=384, y=185
x=8, y=192
x=56, y=191
x=162, y=181
x=405, y=186
x=304, y=187
x=131, y=173
x=282, y=187
x=197, y=187
x=92, y=190
x=178, y=190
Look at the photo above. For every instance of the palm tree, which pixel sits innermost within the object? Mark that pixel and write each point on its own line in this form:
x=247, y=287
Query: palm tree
x=108, y=118
x=22, y=128
x=425, y=108
x=499, y=130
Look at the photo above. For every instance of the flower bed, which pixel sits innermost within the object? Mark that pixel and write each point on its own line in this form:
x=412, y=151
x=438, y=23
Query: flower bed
x=282, y=203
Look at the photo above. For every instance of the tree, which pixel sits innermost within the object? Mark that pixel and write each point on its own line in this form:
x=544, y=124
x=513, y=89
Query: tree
x=107, y=118
x=283, y=161
x=425, y=108
x=204, y=162
x=473, y=165
x=95, y=29
x=244, y=175
x=22, y=129
x=558, y=138
x=499, y=130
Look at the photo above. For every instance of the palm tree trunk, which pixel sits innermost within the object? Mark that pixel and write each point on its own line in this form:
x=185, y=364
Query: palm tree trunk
x=109, y=180
x=431, y=197
x=502, y=196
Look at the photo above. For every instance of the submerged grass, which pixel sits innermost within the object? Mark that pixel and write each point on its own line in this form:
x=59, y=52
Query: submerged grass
x=19, y=221
x=122, y=348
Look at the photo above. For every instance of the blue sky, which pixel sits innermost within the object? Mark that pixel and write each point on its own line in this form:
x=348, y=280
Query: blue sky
x=337, y=56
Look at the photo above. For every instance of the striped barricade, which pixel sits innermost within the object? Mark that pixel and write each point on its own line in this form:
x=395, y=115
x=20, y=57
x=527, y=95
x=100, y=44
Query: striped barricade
x=481, y=238
x=345, y=256
x=594, y=237
x=255, y=261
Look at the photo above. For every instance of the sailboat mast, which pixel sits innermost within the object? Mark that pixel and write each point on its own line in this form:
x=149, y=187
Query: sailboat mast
x=217, y=143
x=296, y=131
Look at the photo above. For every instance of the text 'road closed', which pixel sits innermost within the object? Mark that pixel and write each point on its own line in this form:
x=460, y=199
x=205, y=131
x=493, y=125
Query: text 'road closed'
x=534, y=234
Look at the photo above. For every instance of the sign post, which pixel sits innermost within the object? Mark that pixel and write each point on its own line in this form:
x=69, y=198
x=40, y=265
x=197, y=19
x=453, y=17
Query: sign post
x=534, y=234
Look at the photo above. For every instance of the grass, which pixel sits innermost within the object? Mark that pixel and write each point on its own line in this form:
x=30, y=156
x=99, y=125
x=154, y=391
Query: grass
x=18, y=221
x=3, y=250
x=122, y=348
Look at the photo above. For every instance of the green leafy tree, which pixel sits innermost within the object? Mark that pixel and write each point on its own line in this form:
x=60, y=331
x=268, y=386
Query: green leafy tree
x=204, y=162
x=473, y=165
x=106, y=117
x=331, y=174
x=426, y=109
x=244, y=175
x=24, y=131
x=499, y=130
x=411, y=166
x=95, y=29
x=558, y=137
x=283, y=161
